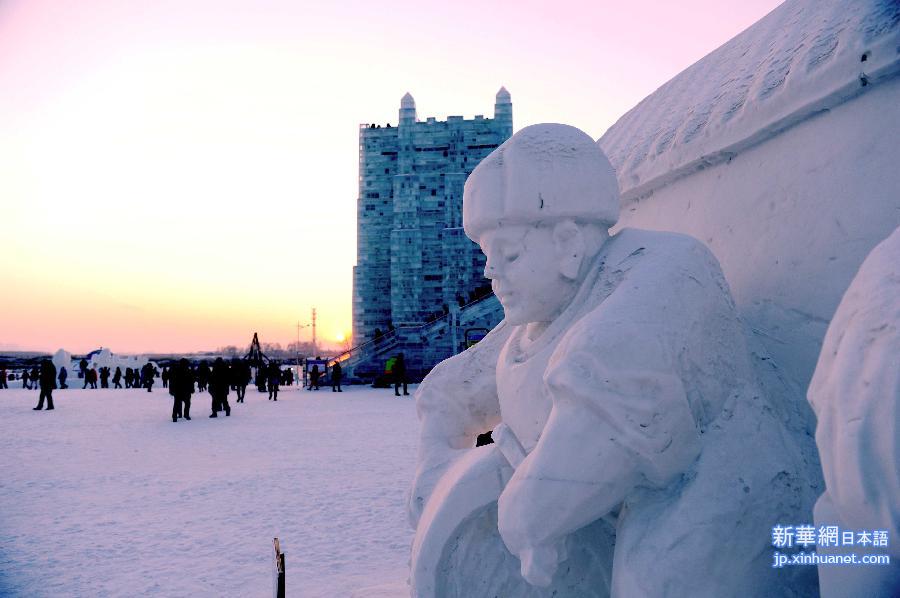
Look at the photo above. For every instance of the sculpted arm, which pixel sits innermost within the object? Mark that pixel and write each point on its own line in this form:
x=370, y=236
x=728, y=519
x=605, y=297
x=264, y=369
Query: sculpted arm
x=456, y=402
x=620, y=420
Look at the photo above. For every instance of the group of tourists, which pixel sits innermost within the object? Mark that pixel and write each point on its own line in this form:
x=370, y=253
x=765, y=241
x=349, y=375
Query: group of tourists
x=143, y=377
x=31, y=378
x=183, y=381
x=218, y=380
x=47, y=379
x=316, y=375
x=270, y=377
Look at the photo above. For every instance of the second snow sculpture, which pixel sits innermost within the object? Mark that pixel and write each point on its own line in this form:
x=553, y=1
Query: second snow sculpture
x=855, y=393
x=633, y=455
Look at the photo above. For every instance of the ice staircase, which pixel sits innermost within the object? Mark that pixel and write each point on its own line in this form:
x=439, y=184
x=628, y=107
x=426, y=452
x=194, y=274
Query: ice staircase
x=423, y=346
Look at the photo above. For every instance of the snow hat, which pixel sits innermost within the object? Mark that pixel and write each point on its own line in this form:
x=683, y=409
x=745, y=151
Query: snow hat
x=543, y=172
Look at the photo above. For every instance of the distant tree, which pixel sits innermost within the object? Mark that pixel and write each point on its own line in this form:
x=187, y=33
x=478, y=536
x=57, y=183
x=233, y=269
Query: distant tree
x=231, y=351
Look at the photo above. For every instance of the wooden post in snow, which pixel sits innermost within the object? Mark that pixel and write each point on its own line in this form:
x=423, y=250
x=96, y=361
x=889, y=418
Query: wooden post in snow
x=278, y=573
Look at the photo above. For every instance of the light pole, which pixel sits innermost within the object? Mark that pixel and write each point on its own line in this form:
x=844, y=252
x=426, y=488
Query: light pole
x=301, y=374
x=314, y=346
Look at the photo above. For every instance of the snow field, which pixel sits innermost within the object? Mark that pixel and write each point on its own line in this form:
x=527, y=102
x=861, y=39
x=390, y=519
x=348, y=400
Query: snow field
x=105, y=496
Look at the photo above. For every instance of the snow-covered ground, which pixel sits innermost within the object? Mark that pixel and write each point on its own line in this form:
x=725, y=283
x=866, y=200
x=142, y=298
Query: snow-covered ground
x=105, y=496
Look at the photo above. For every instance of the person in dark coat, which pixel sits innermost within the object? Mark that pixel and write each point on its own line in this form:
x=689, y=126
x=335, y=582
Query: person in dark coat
x=238, y=379
x=117, y=378
x=202, y=376
x=3, y=378
x=274, y=380
x=47, y=382
x=314, y=377
x=262, y=375
x=181, y=387
x=165, y=376
x=92, y=377
x=399, y=372
x=148, y=373
x=26, y=380
x=219, y=383
x=63, y=376
x=83, y=368
x=336, y=374
x=104, y=377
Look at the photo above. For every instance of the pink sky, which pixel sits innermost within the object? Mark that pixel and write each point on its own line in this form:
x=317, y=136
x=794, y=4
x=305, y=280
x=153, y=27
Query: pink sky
x=175, y=175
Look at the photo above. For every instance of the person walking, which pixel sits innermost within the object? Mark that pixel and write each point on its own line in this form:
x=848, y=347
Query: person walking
x=336, y=373
x=219, y=383
x=399, y=372
x=262, y=376
x=117, y=378
x=274, y=380
x=203, y=374
x=148, y=373
x=181, y=387
x=314, y=377
x=26, y=380
x=238, y=379
x=63, y=376
x=246, y=378
x=83, y=368
x=47, y=382
x=3, y=383
x=104, y=377
x=165, y=376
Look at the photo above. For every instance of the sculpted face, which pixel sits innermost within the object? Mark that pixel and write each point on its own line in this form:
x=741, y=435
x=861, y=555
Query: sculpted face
x=524, y=268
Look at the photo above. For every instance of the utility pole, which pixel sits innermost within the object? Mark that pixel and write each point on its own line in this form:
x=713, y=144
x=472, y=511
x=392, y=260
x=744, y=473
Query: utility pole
x=315, y=347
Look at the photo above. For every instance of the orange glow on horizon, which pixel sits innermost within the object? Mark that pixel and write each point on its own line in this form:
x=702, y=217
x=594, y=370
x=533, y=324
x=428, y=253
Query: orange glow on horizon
x=176, y=177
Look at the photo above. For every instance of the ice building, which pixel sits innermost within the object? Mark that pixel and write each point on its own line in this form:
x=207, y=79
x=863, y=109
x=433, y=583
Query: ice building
x=413, y=259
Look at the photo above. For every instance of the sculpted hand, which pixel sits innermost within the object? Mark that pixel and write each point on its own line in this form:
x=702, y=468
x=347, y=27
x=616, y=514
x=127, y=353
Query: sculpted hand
x=539, y=564
x=523, y=535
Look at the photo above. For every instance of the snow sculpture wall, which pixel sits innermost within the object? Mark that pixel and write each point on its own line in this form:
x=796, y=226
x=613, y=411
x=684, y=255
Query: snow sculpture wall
x=776, y=151
x=99, y=358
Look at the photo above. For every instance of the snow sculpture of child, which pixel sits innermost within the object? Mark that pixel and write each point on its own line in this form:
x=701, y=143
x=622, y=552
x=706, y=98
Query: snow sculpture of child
x=633, y=455
x=855, y=393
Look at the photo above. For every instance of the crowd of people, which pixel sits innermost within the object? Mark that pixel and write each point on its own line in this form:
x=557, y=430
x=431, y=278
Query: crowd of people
x=183, y=380
x=219, y=380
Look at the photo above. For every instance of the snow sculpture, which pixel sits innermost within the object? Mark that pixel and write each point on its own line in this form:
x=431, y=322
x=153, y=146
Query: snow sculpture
x=633, y=454
x=99, y=358
x=855, y=393
x=63, y=359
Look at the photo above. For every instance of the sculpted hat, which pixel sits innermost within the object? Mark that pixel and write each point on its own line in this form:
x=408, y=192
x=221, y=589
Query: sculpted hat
x=543, y=172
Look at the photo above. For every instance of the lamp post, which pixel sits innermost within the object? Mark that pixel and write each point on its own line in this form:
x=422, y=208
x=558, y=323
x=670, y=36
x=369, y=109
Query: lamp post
x=301, y=373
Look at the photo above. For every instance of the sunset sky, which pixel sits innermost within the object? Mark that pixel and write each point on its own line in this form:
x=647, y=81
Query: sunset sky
x=177, y=174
